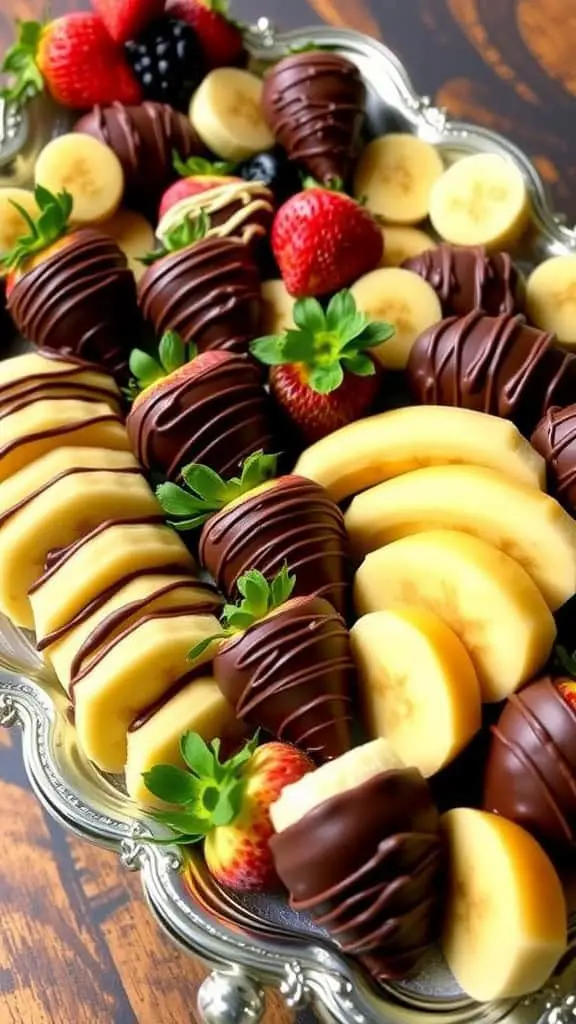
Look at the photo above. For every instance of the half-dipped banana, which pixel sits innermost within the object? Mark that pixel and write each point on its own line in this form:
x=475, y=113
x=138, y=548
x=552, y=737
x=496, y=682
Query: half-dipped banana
x=42, y=375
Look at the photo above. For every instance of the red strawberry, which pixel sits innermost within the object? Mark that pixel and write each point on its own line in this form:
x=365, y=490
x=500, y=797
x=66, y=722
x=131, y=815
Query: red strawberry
x=125, y=19
x=75, y=58
x=567, y=688
x=228, y=804
x=197, y=175
x=220, y=39
x=323, y=241
x=321, y=375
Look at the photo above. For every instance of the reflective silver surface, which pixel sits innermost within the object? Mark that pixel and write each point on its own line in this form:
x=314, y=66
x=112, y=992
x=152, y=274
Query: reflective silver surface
x=257, y=941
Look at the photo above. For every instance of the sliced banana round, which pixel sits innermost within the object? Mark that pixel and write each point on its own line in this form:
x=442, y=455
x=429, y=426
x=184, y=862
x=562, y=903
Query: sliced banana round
x=12, y=223
x=402, y=243
x=226, y=111
x=88, y=170
x=277, y=308
x=402, y=298
x=134, y=235
x=480, y=200
x=395, y=175
x=551, y=298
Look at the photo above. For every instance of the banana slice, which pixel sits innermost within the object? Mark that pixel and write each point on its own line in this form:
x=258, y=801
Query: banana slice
x=226, y=111
x=481, y=200
x=277, y=308
x=418, y=686
x=482, y=594
x=395, y=175
x=337, y=776
x=551, y=298
x=88, y=170
x=401, y=243
x=505, y=926
x=12, y=223
x=402, y=298
x=134, y=235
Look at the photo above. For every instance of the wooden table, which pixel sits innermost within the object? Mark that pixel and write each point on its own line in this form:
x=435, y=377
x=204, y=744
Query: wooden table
x=77, y=943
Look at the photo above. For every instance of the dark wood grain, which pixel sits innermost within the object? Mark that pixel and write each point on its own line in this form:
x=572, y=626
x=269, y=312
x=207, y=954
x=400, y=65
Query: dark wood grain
x=78, y=944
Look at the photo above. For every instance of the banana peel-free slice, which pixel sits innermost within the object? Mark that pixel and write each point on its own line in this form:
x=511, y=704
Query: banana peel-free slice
x=88, y=170
x=226, y=111
x=35, y=376
x=401, y=298
x=395, y=175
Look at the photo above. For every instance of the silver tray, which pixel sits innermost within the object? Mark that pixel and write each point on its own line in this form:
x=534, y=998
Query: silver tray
x=251, y=943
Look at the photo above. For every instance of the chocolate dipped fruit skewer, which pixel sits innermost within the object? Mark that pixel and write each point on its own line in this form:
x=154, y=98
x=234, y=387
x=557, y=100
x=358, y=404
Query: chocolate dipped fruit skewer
x=467, y=278
x=70, y=289
x=260, y=521
x=497, y=365
x=205, y=288
x=209, y=408
x=358, y=847
x=45, y=374
x=314, y=103
x=285, y=665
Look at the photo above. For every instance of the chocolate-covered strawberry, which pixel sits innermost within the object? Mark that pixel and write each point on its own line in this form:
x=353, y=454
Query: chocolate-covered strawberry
x=209, y=408
x=321, y=375
x=314, y=103
x=256, y=521
x=206, y=289
x=284, y=664
x=555, y=439
x=70, y=289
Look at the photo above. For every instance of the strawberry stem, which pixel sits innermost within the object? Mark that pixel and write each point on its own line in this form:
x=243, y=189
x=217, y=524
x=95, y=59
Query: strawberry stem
x=199, y=165
x=43, y=230
x=192, y=229
x=20, y=64
x=147, y=370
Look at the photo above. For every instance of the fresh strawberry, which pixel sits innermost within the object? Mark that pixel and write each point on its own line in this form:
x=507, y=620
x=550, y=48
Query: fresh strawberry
x=75, y=58
x=324, y=241
x=567, y=688
x=197, y=175
x=176, y=363
x=47, y=233
x=227, y=804
x=220, y=39
x=125, y=19
x=321, y=375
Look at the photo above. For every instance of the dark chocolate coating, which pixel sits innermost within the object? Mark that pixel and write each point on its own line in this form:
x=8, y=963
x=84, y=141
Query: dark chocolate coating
x=467, y=278
x=497, y=365
x=294, y=520
x=144, y=139
x=555, y=439
x=314, y=104
x=292, y=674
x=531, y=769
x=367, y=864
x=208, y=293
x=81, y=301
x=217, y=417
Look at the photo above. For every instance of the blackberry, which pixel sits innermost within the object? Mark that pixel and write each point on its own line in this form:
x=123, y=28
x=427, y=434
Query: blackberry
x=275, y=170
x=167, y=61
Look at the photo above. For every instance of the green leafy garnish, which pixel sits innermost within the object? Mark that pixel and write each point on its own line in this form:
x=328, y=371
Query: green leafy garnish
x=565, y=661
x=46, y=228
x=192, y=229
x=206, y=492
x=258, y=598
x=199, y=165
x=20, y=64
x=330, y=185
x=207, y=794
x=146, y=370
x=327, y=342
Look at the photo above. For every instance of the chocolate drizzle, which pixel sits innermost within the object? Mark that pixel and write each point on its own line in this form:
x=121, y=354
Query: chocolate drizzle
x=72, y=471
x=555, y=439
x=467, y=278
x=69, y=380
x=531, y=769
x=314, y=104
x=56, y=431
x=292, y=520
x=292, y=674
x=497, y=365
x=216, y=416
x=368, y=865
x=81, y=300
x=144, y=138
x=147, y=714
x=209, y=293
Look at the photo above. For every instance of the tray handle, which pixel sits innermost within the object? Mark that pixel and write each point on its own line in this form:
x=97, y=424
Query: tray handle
x=230, y=997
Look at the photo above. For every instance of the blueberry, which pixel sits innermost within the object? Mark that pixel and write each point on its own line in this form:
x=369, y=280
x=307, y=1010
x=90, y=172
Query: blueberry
x=274, y=170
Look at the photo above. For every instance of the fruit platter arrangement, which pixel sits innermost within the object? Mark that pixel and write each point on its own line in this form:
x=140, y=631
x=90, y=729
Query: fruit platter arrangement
x=288, y=511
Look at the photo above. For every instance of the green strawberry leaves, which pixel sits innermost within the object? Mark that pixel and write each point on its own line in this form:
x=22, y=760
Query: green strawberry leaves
x=146, y=370
x=191, y=229
x=328, y=342
x=50, y=224
x=565, y=661
x=205, y=492
x=199, y=165
x=20, y=64
x=258, y=598
x=206, y=794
